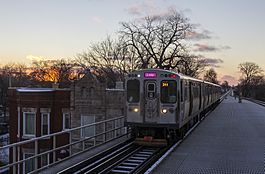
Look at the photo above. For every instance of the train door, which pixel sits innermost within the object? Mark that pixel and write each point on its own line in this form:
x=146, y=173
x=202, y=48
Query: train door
x=204, y=92
x=182, y=100
x=151, y=112
x=208, y=95
x=186, y=99
x=200, y=96
x=191, y=97
x=196, y=97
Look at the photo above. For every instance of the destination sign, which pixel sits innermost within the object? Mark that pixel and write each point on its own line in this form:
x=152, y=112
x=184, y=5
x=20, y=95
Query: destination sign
x=150, y=75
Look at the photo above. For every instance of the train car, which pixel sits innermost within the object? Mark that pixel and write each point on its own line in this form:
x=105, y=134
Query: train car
x=162, y=105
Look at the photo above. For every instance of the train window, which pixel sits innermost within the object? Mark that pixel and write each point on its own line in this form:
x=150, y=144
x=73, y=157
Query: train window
x=181, y=91
x=190, y=91
x=150, y=90
x=186, y=91
x=168, y=91
x=151, y=87
x=133, y=91
x=196, y=91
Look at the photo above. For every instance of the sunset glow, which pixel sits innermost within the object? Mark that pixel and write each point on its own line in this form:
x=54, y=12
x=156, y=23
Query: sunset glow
x=227, y=32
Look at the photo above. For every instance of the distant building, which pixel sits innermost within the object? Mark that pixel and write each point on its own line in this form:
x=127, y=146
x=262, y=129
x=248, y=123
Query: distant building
x=36, y=112
x=92, y=102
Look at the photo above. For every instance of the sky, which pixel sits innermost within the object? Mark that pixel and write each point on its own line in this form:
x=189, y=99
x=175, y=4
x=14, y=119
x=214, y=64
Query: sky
x=32, y=29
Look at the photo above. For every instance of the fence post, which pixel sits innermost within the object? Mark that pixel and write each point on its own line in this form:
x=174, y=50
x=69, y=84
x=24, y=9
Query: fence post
x=105, y=134
x=18, y=156
x=36, y=153
x=54, y=146
x=14, y=159
x=70, y=142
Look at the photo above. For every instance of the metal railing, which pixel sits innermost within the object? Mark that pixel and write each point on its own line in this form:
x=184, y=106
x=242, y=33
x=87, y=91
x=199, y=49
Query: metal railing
x=75, y=146
x=262, y=103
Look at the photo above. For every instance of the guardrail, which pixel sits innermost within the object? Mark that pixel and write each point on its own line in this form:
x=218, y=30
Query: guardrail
x=15, y=148
x=262, y=103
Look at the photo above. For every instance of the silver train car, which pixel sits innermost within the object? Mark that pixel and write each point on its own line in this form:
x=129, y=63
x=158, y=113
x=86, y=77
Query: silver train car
x=162, y=105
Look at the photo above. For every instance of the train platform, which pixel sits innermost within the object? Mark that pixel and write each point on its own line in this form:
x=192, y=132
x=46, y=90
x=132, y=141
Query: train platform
x=230, y=140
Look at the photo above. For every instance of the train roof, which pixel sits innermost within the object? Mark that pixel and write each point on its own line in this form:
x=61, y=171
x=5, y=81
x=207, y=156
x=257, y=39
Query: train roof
x=181, y=76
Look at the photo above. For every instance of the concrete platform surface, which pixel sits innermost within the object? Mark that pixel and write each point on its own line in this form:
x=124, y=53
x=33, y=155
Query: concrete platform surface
x=231, y=140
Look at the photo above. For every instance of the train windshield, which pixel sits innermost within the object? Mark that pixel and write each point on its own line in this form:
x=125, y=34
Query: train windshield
x=168, y=91
x=133, y=91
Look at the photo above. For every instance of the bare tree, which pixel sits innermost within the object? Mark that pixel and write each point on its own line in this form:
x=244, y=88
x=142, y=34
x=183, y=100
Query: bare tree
x=40, y=71
x=211, y=76
x=151, y=42
x=15, y=74
x=157, y=39
x=191, y=65
x=11, y=75
x=109, y=60
x=63, y=69
x=249, y=70
x=54, y=71
x=251, y=77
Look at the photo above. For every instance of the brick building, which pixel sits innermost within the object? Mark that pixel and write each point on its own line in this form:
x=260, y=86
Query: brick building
x=92, y=102
x=34, y=113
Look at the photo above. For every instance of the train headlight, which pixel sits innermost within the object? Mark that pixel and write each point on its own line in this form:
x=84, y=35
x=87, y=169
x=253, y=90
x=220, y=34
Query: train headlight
x=135, y=110
x=164, y=111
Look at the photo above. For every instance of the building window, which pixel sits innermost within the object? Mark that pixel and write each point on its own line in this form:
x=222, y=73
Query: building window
x=45, y=159
x=28, y=164
x=45, y=123
x=66, y=121
x=29, y=124
x=88, y=131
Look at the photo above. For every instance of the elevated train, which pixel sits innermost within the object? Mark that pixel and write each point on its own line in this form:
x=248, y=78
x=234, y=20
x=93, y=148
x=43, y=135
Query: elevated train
x=162, y=105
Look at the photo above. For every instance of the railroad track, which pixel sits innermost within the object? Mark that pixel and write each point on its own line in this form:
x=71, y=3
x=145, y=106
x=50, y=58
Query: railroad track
x=262, y=103
x=133, y=162
x=124, y=158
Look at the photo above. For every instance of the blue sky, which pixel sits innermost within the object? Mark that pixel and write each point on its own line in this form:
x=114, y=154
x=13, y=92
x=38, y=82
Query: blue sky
x=63, y=28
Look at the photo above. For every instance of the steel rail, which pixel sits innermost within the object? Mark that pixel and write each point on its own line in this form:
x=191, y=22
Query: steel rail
x=262, y=103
